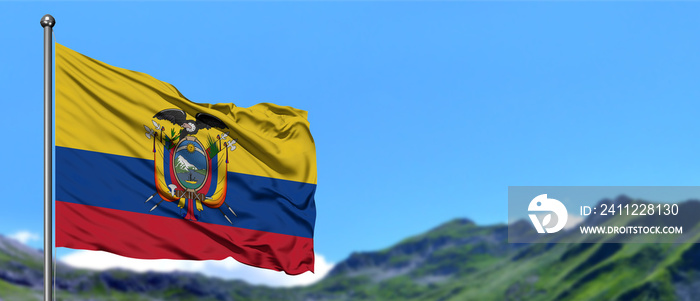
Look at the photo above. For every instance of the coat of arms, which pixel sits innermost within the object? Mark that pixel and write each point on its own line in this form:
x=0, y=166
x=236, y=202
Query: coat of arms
x=186, y=170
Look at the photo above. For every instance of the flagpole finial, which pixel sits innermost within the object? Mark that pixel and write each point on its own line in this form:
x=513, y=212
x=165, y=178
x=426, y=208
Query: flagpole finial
x=48, y=20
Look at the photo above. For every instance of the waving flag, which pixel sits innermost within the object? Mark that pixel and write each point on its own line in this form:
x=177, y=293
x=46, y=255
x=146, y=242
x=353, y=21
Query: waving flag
x=143, y=172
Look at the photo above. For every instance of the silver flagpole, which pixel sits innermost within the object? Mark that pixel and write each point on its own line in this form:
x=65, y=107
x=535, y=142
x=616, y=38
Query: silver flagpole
x=47, y=22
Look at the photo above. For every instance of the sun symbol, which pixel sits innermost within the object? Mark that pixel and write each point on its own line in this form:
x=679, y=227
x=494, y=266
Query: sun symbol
x=190, y=148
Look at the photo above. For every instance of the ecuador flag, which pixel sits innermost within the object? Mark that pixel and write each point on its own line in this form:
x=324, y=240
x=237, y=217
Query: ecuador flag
x=143, y=172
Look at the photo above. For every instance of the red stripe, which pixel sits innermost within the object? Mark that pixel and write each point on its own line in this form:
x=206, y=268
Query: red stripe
x=146, y=236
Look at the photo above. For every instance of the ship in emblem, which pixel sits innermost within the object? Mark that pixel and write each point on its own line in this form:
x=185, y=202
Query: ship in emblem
x=186, y=171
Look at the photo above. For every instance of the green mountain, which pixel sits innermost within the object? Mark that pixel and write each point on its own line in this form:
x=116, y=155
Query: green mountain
x=21, y=278
x=458, y=260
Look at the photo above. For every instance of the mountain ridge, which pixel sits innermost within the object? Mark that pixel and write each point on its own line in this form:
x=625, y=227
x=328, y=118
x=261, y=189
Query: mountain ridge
x=456, y=260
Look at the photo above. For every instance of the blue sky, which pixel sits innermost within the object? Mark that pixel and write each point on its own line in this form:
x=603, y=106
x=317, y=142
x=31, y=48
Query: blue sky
x=421, y=111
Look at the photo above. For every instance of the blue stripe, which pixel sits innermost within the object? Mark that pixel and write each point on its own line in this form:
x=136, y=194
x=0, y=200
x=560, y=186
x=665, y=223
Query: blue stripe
x=124, y=183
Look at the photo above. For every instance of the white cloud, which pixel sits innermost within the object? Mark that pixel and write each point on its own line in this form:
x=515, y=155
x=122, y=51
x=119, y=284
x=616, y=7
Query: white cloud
x=25, y=236
x=573, y=221
x=226, y=269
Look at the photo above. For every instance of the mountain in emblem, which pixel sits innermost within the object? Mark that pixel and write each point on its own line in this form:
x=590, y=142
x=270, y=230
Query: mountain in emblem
x=182, y=165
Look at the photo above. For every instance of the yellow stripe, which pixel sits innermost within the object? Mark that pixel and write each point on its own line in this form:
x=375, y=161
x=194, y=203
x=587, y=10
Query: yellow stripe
x=103, y=108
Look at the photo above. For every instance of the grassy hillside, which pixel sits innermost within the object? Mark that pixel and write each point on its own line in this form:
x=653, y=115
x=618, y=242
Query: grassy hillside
x=458, y=260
